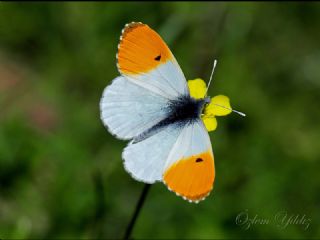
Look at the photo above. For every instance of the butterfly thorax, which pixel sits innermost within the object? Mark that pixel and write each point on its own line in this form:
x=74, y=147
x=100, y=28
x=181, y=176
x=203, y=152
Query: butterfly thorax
x=185, y=108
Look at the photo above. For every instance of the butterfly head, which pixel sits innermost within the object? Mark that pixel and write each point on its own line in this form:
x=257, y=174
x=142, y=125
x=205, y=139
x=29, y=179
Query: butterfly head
x=207, y=100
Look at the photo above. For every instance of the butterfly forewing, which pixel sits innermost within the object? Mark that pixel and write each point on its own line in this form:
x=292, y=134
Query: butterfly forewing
x=145, y=59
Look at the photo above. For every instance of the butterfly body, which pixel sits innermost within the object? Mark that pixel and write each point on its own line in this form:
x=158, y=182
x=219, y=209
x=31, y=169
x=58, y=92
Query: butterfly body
x=184, y=109
x=151, y=105
x=180, y=111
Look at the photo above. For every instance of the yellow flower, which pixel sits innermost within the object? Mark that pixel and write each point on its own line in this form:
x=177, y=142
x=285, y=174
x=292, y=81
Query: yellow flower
x=218, y=106
x=197, y=88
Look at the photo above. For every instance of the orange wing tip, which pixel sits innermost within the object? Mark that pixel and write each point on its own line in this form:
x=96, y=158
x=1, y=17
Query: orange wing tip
x=191, y=178
x=127, y=28
x=140, y=49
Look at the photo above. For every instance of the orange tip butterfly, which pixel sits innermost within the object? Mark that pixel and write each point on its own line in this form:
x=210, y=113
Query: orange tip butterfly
x=150, y=104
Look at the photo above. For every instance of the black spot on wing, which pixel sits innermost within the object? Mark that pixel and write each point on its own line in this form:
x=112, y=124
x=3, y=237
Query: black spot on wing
x=157, y=58
x=199, y=160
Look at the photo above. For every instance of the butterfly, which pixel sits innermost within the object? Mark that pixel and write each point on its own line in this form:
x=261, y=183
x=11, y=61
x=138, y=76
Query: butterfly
x=166, y=118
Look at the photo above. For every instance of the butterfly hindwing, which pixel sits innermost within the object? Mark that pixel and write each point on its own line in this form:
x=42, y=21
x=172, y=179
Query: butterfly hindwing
x=180, y=155
x=145, y=59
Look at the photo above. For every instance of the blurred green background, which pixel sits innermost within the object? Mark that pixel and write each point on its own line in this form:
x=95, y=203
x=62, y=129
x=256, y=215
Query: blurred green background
x=61, y=173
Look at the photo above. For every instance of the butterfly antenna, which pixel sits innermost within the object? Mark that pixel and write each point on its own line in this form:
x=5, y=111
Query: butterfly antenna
x=214, y=66
x=238, y=112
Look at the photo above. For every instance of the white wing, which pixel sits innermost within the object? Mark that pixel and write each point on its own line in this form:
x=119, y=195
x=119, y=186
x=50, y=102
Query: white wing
x=127, y=109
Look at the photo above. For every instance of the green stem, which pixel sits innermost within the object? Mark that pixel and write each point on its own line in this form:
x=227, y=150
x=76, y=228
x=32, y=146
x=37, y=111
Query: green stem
x=137, y=211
